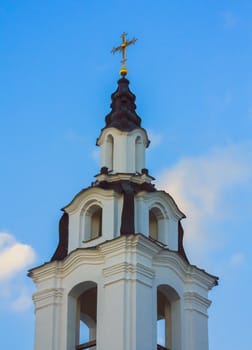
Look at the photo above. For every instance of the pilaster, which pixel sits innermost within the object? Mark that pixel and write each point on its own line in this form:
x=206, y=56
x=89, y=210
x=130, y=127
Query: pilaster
x=196, y=321
x=48, y=306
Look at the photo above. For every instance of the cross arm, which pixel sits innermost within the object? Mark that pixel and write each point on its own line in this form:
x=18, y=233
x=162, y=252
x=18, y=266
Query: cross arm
x=115, y=49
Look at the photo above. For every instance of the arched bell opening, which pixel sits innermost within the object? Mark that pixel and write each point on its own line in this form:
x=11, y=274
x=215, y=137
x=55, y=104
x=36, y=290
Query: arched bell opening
x=82, y=317
x=156, y=224
x=168, y=319
x=93, y=222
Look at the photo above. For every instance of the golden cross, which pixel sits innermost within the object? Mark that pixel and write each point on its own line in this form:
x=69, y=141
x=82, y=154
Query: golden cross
x=122, y=48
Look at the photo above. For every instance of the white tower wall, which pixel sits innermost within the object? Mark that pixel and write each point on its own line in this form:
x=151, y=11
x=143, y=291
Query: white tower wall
x=128, y=272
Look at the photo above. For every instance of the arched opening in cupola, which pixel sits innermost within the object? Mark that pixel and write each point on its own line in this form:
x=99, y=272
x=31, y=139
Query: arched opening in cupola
x=93, y=222
x=109, y=151
x=168, y=318
x=82, y=316
x=139, y=164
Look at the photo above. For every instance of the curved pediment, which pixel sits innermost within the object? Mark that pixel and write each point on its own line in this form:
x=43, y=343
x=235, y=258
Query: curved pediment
x=164, y=200
x=85, y=195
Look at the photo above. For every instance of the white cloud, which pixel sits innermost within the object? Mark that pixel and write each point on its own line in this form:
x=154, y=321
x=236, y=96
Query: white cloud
x=237, y=260
x=22, y=302
x=200, y=186
x=5, y=240
x=14, y=256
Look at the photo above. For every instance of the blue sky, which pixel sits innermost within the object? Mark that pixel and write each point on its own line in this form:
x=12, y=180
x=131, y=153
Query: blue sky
x=191, y=73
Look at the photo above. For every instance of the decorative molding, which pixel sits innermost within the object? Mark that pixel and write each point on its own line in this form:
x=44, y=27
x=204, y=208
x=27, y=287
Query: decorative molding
x=201, y=277
x=195, y=302
x=130, y=243
x=95, y=193
x=60, y=269
x=47, y=297
x=134, y=177
x=44, y=272
x=166, y=200
x=173, y=261
x=80, y=257
x=127, y=249
x=129, y=272
x=189, y=274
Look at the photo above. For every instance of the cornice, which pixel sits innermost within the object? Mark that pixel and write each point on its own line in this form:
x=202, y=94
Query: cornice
x=44, y=272
x=47, y=297
x=188, y=273
x=130, y=243
x=201, y=277
x=79, y=257
x=195, y=301
x=59, y=269
x=173, y=261
x=127, y=271
x=132, y=177
x=123, y=254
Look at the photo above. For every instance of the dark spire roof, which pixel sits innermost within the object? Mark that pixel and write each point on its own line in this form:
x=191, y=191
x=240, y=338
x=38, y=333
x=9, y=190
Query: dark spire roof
x=123, y=115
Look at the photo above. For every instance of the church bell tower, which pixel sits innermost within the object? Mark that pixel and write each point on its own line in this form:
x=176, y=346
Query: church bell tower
x=120, y=278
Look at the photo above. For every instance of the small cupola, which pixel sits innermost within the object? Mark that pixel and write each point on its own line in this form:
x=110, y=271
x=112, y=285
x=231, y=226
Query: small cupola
x=123, y=141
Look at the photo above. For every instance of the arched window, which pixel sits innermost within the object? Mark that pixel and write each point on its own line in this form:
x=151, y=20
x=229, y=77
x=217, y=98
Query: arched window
x=153, y=225
x=96, y=223
x=110, y=152
x=93, y=222
x=168, y=318
x=156, y=224
x=82, y=317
